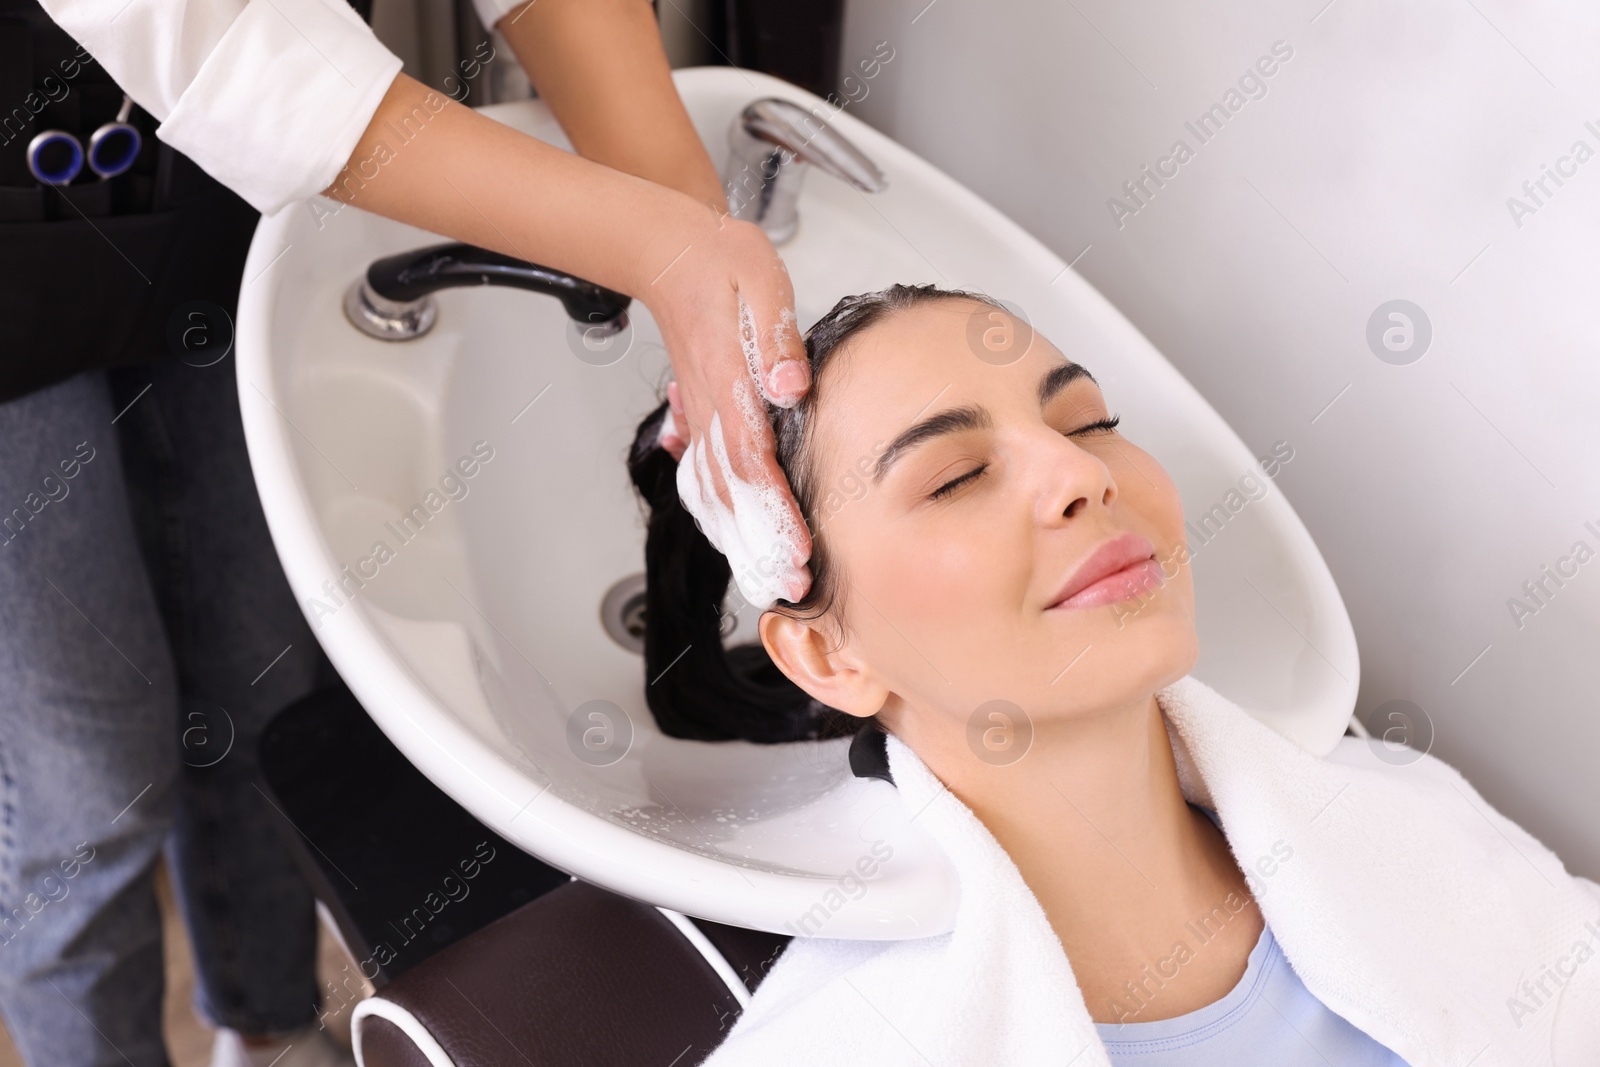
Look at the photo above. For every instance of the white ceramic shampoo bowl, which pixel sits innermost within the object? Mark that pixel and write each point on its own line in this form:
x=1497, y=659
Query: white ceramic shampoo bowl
x=474, y=641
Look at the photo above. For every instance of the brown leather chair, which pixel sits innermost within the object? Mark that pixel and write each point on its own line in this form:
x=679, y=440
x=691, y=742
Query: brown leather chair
x=579, y=977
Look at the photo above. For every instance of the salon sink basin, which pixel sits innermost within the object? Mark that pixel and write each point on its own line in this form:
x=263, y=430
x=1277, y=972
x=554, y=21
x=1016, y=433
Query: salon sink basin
x=468, y=488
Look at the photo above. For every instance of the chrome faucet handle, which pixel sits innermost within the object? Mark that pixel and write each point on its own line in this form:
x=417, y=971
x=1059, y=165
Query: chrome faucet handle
x=771, y=141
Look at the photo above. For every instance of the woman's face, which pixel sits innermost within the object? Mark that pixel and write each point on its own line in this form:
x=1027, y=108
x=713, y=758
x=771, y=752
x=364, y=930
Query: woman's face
x=953, y=553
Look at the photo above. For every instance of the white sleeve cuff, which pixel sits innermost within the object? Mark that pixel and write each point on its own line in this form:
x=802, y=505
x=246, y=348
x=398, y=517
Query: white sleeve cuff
x=281, y=102
x=492, y=11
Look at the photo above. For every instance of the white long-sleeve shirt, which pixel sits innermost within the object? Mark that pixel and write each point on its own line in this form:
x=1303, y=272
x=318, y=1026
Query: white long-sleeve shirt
x=269, y=97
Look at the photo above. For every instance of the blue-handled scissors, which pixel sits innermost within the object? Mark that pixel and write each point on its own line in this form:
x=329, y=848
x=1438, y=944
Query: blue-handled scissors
x=55, y=156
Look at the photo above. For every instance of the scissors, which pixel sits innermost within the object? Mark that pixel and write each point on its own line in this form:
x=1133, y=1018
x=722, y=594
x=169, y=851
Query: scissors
x=56, y=157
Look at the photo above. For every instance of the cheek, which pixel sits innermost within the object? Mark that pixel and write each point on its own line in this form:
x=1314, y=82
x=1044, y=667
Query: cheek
x=944, y=563
x=1154, y=498
x=1150, y=493
x=950, y=589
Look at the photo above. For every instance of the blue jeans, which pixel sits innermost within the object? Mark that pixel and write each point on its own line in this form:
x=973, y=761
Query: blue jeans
x=147, y=635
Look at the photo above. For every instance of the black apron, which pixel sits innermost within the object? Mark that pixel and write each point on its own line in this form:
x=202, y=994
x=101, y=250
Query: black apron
x=99, y=273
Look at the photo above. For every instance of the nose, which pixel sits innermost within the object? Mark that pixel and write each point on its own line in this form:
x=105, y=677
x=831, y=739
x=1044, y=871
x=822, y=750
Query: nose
x=1068, y=480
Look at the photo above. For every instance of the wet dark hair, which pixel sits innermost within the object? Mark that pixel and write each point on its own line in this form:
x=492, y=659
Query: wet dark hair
x=695, y=687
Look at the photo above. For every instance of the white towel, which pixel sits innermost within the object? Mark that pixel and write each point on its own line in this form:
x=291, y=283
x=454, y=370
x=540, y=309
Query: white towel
x=1410, y=907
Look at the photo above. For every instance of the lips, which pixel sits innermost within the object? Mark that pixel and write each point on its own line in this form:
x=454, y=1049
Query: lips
x=1119, y=568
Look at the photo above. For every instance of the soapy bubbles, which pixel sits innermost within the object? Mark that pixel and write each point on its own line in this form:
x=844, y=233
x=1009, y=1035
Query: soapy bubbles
x=999, y=733
x=599, y=732
x=998, y=338
x=1402, y=732
x=1399, y=332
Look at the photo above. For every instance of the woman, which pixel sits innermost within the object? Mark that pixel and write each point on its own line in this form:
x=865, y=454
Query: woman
x=149, y=635
x=1153, y=877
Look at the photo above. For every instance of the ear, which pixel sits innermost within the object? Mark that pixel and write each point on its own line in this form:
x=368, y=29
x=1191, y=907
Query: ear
x=807, y=652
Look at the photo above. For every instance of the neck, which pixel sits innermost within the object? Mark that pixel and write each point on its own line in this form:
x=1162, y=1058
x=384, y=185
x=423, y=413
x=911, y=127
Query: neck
x=1093, y=809
x=1095, y=821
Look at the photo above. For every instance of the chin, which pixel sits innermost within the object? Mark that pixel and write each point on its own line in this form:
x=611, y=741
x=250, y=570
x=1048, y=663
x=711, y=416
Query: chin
x=1150, y=654
x=1177, y=652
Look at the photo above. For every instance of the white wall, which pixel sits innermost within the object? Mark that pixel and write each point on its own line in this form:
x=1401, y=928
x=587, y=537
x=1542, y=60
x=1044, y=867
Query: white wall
x=1376, y=167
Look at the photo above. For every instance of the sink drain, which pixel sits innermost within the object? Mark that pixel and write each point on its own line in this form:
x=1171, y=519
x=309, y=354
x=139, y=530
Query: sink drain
x=622, y=613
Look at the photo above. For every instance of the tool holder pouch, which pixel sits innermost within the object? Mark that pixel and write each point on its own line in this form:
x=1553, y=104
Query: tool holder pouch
x=102, y=272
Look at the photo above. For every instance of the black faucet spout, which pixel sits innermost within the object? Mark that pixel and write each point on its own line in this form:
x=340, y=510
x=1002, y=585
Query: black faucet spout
x=393, y=301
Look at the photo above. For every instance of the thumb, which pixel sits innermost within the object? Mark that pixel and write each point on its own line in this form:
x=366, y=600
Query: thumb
x=769, y=334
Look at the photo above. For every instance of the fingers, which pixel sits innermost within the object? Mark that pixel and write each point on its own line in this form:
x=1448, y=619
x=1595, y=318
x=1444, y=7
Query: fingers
x=770, y=335
x=754, y=522
x=719, y=429
x=674, y=425
x=783, y=539
x=794, y=546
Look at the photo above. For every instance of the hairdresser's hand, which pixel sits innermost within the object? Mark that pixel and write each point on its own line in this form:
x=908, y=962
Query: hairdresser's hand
x=725, y=307
x=674, y=249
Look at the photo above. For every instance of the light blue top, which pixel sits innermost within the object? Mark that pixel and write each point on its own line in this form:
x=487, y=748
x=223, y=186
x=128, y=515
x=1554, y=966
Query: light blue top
x=1270, y=1019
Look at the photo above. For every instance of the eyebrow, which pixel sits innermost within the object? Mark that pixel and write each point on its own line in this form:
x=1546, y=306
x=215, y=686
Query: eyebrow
x=971, y=417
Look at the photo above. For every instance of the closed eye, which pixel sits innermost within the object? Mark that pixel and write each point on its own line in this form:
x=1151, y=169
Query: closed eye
x=1107, y=425
x=956, y=483
x=1099, y=426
